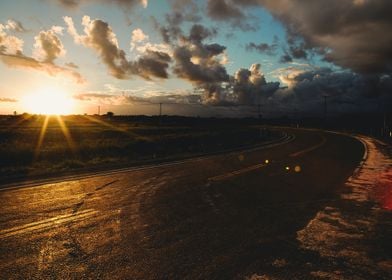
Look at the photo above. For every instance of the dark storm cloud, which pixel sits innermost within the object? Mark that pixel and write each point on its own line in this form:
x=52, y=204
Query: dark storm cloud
x=286, y=58
x=355, y=34
x=206, y=70
x=189, y=9
x=269, y=49
x=223, y=10
x=262, y=48
x=100, y=37
x=294, y=52
x=298, y=52
x=152, y=63
x=345, y=91
x=203, y=64
x=246, y=87
x=229, y=11
x=194, y=60
x=198, y=33
x=249, y=85
x=172, y=29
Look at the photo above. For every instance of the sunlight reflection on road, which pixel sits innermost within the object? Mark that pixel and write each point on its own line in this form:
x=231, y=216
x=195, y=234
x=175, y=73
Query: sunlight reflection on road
x=345, y=230
x=373, y=181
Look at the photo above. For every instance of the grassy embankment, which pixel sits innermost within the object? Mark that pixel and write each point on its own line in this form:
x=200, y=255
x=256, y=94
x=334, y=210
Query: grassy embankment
x=91, y=143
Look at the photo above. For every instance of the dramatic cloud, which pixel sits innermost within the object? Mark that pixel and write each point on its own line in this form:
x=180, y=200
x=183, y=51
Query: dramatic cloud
x=171, y=31
x=204, y=65
x=269, y=49
x=199, y=63
x=345, y=92
x=231, y=11
x=223, y=10
x=123, y=3
x=352, y=34
x=286, y=58
x=9, y=44
x=194, y=60
x=189, y=9
x=152, y=63
x=100, y=37
x=47, y=48
x=246, y=87
x=140, y=42
x=305, y=94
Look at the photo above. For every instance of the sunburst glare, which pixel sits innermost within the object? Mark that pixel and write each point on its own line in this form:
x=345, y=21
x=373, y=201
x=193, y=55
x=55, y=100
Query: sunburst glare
x=49, y=101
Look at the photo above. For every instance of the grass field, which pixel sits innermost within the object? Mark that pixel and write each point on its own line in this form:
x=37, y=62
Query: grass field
x=34, y=145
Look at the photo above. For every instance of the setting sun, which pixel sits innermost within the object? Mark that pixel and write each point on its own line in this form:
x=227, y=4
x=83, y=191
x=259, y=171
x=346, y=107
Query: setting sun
x=49, y=101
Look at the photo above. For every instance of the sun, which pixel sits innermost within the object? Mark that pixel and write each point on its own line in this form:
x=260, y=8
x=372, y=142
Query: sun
x=49, y=101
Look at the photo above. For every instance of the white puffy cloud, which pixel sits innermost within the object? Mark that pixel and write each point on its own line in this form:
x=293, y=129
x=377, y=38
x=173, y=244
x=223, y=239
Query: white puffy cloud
x=48, y=45
x=99, y=36
x=47, y=48
x=9, y=44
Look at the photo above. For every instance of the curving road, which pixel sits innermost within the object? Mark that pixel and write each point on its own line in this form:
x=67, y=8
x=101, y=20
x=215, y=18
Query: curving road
x=239, y=215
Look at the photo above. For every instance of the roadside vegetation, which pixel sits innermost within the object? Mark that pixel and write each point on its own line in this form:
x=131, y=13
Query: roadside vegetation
x=36, y=145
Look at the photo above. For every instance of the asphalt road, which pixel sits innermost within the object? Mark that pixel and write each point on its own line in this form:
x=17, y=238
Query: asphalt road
x=220, y=217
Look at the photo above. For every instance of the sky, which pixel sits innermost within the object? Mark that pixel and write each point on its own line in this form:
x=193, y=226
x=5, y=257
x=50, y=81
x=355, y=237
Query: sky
x=198, y=58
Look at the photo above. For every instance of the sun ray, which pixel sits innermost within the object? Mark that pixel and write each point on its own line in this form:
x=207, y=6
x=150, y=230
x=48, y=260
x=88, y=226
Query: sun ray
x=41, y=137
x=67, y=135
x=125, y=131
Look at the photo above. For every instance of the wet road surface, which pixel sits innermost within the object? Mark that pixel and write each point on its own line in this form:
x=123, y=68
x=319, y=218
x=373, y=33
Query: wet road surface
x=312, y=208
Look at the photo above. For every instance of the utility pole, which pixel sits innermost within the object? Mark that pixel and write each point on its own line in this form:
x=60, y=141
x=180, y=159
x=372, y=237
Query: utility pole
x=99, y=110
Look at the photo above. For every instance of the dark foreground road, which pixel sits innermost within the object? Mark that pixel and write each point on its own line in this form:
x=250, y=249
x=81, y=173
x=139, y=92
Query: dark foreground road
x=221, y=217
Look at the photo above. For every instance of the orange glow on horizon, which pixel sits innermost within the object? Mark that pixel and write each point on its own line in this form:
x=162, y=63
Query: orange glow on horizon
x=49, y=101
